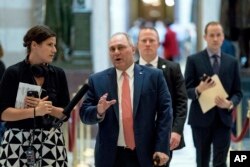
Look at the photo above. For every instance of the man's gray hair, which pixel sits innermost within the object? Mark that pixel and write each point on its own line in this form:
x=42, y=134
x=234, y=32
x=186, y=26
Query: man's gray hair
x=130, y=41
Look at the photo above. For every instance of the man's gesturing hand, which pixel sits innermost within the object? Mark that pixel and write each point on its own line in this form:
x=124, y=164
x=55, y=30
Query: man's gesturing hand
x=103, y=104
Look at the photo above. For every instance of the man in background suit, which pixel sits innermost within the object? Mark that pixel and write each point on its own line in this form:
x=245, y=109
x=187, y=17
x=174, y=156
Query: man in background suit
x=151, y=110
x=214, y=127
x=148, y=43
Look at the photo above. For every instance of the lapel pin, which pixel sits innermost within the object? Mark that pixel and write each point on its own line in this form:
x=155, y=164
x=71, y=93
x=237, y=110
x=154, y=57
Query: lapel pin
x=163, y=66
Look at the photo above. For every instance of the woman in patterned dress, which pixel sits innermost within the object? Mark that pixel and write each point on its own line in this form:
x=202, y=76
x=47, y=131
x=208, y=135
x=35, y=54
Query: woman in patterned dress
x=27, y=127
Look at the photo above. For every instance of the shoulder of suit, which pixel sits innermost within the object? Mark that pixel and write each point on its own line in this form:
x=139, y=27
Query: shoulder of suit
x=168, y=63
x=203, y=52
x=104, y=72
x=147, y=69
x=198, y=55
x=229, y=57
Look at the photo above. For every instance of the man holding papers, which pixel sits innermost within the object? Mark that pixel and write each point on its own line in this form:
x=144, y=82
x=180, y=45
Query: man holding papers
x=212, y=72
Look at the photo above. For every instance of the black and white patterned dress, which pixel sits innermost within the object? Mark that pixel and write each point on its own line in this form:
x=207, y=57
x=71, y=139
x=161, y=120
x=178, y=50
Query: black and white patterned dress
x=50, y=147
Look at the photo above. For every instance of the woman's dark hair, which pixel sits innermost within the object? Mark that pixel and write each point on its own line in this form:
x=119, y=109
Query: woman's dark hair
x=38, y=34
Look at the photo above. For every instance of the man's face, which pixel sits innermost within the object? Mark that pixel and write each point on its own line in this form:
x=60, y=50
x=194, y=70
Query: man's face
x=214, y=37
x=121, y=52
x=148, y=44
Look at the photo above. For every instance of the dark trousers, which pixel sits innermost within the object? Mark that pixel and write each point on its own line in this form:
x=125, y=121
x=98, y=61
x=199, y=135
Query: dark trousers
x=219, y=136
x=126, y=158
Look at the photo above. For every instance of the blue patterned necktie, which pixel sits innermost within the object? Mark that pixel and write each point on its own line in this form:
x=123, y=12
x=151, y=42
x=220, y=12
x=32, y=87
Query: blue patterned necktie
x=216, y=66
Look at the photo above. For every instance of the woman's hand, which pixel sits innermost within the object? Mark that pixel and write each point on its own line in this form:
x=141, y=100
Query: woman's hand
x=42, y=106
x=31, y=102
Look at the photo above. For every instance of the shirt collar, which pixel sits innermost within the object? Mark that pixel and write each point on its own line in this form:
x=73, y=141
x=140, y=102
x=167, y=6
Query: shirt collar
x=210, y=53
x=129, y=71
x=153, y=62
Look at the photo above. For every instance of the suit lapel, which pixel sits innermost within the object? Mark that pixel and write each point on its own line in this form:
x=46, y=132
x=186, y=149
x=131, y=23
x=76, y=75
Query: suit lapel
x=162, y=65
x=206, y=62
x=223, y=65
x=113, y=90
x=138, y=81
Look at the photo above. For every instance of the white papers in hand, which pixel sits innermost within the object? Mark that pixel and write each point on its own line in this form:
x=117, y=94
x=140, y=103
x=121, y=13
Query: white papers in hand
x=23, y=88
x=207, y=97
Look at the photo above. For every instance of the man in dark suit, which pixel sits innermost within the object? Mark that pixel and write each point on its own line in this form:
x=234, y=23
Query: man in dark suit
x=151, y=116
x=148, y=43
x=213, y=127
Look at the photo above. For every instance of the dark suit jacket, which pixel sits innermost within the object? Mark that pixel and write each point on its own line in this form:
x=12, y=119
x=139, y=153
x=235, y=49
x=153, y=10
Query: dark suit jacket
x=177, y=89
x=196, y=66
x=176, y=85
x=152, y=113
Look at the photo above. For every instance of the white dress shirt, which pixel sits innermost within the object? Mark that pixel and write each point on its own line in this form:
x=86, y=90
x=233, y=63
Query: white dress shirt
x=130, y=72
x=153, y=62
